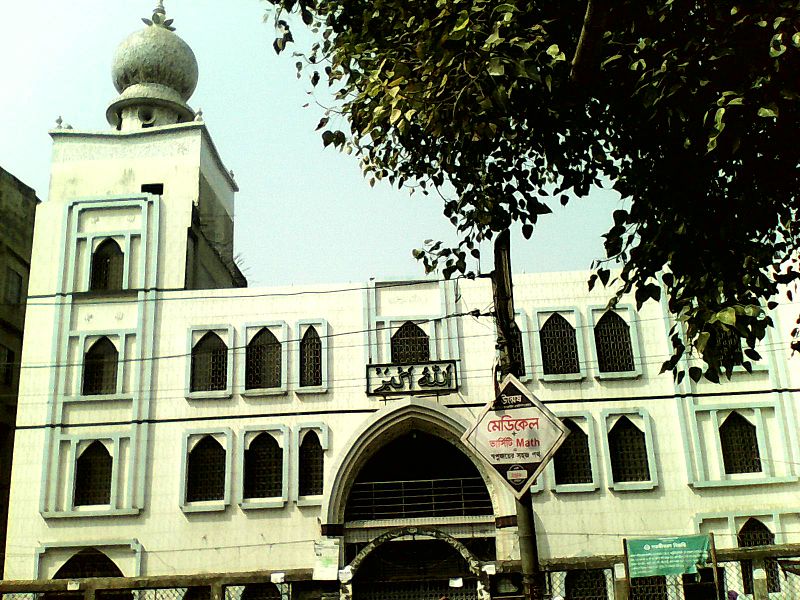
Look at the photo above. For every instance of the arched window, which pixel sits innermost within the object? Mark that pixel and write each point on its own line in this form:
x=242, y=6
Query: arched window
x=263, y=361
x=586, y=584
x=311, y=465
x=88, y=562
x=559, y=346
x=263, y=468
x=93, y=476
x=100, y=368
x=612, y=337
x=755, y=533
x=627, y=448
x=572, y=462
x=209, y=364
x=739, y=443
x=260, y=591
x=205, y=477
x=410, y=344
x=107, y=264
x=310, y=359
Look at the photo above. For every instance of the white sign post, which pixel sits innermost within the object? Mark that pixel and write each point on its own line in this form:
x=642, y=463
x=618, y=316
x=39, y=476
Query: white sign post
x=517, y=435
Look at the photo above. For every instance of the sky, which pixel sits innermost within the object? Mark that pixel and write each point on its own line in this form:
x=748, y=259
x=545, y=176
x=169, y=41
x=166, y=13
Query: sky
x=304, y=213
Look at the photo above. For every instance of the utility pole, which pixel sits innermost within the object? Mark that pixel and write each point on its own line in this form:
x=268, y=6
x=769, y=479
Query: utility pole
x=507, y=331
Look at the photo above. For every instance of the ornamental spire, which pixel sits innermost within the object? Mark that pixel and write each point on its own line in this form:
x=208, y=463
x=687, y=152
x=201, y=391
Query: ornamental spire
x=159, y=18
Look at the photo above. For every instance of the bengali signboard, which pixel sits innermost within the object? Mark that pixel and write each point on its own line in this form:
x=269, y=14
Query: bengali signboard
x=432, y=377
x=667, y=556
x=516, y=434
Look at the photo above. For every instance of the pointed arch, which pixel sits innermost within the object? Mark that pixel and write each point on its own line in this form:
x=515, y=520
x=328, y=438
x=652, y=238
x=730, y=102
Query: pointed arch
x=612, y=336
x=755, y=533
x=107, y=267
x=627, y=448
x=310, y=358
x=209, y=364
x=263, y=361
x=559, y=345
x=572, y=462
x=263, y=468
x=100, y=368
x=739, y=443
x=388, y=424
x=88, y=562
x=93, y=471
x=410, y=344
x=205, y=471
x=311, y=461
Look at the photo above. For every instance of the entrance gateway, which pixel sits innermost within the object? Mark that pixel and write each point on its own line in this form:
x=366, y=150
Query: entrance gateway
x=418, y=516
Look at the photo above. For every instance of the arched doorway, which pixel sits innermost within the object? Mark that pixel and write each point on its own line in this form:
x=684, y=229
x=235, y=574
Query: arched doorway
x=418, y=486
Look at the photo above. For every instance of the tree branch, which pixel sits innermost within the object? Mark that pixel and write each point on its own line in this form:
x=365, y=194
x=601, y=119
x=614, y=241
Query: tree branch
x=587, y=54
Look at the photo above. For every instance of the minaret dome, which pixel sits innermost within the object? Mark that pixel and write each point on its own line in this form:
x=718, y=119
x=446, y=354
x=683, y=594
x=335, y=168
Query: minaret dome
x=155, y=72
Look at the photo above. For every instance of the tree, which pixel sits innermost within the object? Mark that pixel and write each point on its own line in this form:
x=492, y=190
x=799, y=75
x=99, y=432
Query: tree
x=687, y=107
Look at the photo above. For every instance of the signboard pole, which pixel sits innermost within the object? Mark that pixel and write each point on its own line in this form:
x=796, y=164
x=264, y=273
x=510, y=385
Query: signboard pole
x=712, y=547
x=503, y=297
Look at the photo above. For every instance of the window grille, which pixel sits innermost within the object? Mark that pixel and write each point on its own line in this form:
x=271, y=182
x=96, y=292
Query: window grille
x=729, y=347
x=612, y=337
x=13, y=287
x=107, y=266
x=311, y=464
x=260, y=591
x=559, y=346
x=586, y=584
x=263, y=359
x=410, y=344
x=649, y=588
x=310, y=359
x=7, y=359
x=572, y=462
x=209, y=364
x=93, y=476
x=517, y=352
x=205, y=478
x=755, y=533
x=739, y=444
x=627, y=448
x=100, y=368
x=263, y=468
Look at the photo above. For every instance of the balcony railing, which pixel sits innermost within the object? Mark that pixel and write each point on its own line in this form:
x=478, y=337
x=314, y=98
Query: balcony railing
x=418, y=498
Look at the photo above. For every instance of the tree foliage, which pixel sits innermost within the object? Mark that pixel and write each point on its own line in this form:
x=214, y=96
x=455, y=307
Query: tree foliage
x=689, y=108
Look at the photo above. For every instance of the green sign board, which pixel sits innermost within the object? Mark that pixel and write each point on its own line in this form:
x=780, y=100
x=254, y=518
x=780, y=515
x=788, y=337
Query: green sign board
x=667, y=556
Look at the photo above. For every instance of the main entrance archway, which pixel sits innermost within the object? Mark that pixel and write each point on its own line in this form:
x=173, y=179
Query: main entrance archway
x=417, y=508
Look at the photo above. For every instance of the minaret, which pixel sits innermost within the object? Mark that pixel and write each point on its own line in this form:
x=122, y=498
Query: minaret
x=155, y=73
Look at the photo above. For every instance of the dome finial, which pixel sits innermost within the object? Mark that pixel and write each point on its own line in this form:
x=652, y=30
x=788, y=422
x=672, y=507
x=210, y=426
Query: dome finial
x=159, y=18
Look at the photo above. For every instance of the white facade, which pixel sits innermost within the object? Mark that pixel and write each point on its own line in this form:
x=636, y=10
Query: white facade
x=176, y=245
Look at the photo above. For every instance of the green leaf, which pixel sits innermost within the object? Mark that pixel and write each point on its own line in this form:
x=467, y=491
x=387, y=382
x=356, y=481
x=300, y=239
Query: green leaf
x=495, y=67
x=461, y=22
x=771, y=110
x=727, y=316
x=610, y=59
x=395, y=116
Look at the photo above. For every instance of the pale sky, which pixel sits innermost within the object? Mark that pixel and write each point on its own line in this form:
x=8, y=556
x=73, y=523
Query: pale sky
x=304, y=214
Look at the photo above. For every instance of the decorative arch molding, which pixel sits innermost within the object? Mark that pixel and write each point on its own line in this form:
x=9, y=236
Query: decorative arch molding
x=472, y=561
x=390, y=423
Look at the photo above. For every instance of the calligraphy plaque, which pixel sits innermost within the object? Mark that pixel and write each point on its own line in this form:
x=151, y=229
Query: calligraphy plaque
x=432, y=377
x=517, y=435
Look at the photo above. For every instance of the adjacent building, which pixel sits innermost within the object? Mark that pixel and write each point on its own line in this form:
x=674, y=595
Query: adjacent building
x=173, y=421
x=17, y=205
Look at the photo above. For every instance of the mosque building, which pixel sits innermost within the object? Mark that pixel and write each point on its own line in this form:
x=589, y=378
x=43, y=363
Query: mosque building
x=174, y=421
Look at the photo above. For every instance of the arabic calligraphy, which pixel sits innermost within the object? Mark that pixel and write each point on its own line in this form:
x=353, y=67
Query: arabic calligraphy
x=403, y=379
